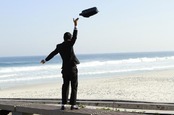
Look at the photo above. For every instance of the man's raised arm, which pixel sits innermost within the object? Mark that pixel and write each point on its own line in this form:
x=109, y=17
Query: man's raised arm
x=75, y=31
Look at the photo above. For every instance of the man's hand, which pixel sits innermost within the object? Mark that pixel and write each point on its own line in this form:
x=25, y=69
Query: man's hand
x=42, y=61
x=75, y=21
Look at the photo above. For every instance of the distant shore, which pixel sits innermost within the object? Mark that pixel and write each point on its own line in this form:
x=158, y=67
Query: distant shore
x=153, y=86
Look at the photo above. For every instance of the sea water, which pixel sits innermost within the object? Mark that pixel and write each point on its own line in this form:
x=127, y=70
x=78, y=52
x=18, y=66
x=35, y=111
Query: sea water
x=16, y=71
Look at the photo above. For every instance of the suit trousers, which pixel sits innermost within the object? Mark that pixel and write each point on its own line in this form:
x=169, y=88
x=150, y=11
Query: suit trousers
x=70, y=75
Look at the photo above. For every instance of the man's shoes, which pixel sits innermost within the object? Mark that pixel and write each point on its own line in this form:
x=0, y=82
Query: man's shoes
x=63, y=107
x=74, y=107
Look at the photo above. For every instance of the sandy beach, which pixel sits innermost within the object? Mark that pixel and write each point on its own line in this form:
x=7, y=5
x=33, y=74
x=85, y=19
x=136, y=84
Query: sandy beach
x=153, y=86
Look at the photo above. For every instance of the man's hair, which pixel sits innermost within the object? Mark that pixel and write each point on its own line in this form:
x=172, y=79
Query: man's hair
x=67, y=36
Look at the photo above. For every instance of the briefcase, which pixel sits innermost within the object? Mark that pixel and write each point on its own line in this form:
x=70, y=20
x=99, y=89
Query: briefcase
x=89, y=12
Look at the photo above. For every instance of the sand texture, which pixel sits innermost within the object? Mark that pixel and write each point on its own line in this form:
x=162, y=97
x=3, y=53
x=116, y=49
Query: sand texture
x=154, y=86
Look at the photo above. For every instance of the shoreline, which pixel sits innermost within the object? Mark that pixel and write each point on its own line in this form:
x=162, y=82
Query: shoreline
x=153, y=86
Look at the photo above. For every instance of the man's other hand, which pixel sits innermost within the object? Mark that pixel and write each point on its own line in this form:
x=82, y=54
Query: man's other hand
x=42, y=61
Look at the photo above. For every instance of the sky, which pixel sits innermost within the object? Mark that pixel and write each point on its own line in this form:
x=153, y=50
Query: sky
x=34, y=27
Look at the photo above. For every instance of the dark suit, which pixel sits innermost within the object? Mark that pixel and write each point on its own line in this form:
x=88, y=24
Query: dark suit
x=69, y=69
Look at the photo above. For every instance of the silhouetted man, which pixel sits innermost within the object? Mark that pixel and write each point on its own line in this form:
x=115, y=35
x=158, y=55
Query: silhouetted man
x=69, y=68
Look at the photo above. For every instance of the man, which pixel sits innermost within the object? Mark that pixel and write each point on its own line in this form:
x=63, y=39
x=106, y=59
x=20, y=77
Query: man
x=69, y=68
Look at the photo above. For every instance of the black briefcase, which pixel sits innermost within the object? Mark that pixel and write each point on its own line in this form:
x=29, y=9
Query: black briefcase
x=89, y=12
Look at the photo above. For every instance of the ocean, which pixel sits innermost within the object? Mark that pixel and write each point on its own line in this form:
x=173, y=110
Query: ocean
x=27, y=70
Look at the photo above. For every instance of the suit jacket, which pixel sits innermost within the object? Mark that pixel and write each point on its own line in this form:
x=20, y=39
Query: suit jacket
x=66, y=52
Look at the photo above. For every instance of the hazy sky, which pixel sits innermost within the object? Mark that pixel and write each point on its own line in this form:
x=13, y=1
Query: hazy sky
x=34, y=27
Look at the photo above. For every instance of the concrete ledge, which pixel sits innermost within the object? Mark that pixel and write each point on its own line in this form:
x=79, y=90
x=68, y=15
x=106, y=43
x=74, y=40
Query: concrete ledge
x=40, y=106
x=103, y=103
x=23, y=108
x=131, y=105
x=10, y=106
x=55, y=110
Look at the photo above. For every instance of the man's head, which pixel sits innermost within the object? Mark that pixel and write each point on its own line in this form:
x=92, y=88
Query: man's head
x=67, y=36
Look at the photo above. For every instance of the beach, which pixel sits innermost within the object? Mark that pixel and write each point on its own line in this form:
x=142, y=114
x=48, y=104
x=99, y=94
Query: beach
x=151, y=86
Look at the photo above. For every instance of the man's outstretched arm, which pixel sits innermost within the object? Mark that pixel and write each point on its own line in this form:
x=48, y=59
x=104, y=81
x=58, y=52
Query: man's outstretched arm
x=50, y=56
